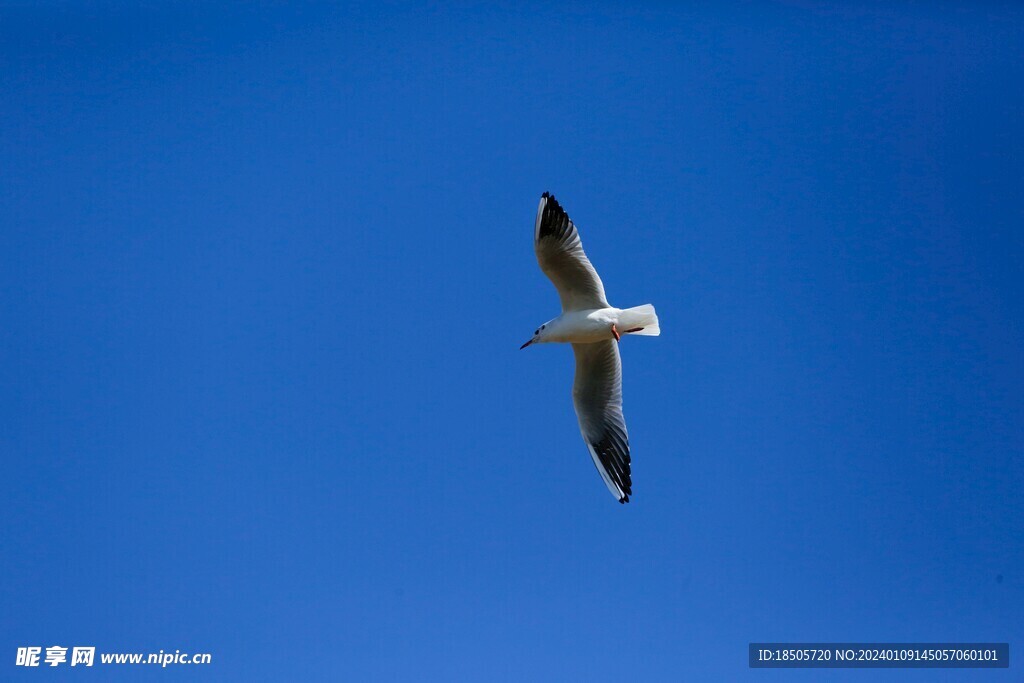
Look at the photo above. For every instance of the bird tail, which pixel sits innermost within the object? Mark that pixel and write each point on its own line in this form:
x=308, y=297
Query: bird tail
x=640, y=316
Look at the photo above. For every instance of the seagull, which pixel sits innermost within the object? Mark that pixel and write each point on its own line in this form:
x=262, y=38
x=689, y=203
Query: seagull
x=594, y=329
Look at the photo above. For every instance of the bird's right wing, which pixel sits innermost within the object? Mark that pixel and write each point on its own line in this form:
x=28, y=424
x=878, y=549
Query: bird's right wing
x=560, y=254
x=597, y=396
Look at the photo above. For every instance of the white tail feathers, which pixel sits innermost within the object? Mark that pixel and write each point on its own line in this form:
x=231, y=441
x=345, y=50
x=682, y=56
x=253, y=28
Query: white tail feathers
x=640, y=316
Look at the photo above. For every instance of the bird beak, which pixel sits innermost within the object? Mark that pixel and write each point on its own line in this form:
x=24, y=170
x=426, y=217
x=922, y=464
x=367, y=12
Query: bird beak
x=525, y=345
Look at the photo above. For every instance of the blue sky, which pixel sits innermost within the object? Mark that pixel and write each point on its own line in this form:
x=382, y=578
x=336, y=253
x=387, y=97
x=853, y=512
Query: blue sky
x=265, y=272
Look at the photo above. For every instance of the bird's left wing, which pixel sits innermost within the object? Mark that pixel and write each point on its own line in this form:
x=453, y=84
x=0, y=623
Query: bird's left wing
x=597, y=397
x=561, y=257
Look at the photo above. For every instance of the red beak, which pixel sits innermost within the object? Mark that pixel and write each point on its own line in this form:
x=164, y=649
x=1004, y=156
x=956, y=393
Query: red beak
x=525, y=345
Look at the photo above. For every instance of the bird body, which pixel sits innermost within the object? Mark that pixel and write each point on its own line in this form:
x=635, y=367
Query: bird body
x=594, y=328
x=593, y=325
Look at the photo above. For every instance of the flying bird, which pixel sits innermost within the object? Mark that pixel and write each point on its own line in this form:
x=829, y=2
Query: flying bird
x=594, y=329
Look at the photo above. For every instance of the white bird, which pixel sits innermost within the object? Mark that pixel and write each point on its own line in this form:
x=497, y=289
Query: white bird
x=594, y=329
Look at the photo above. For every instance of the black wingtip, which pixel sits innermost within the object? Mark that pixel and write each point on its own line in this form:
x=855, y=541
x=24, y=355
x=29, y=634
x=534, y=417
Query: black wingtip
x=551, y=200
x=611, y=454
x=550, y=196
x=554, y=221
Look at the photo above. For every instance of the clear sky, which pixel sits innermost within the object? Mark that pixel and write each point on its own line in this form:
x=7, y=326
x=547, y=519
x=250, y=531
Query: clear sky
x=265, y=272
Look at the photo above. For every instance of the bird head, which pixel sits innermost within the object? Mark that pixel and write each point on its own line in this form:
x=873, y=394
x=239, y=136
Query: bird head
x=538, y=336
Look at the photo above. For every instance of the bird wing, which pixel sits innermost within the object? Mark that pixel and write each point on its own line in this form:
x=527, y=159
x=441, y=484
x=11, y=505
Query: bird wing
x=597, y=396
x=560, y=254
